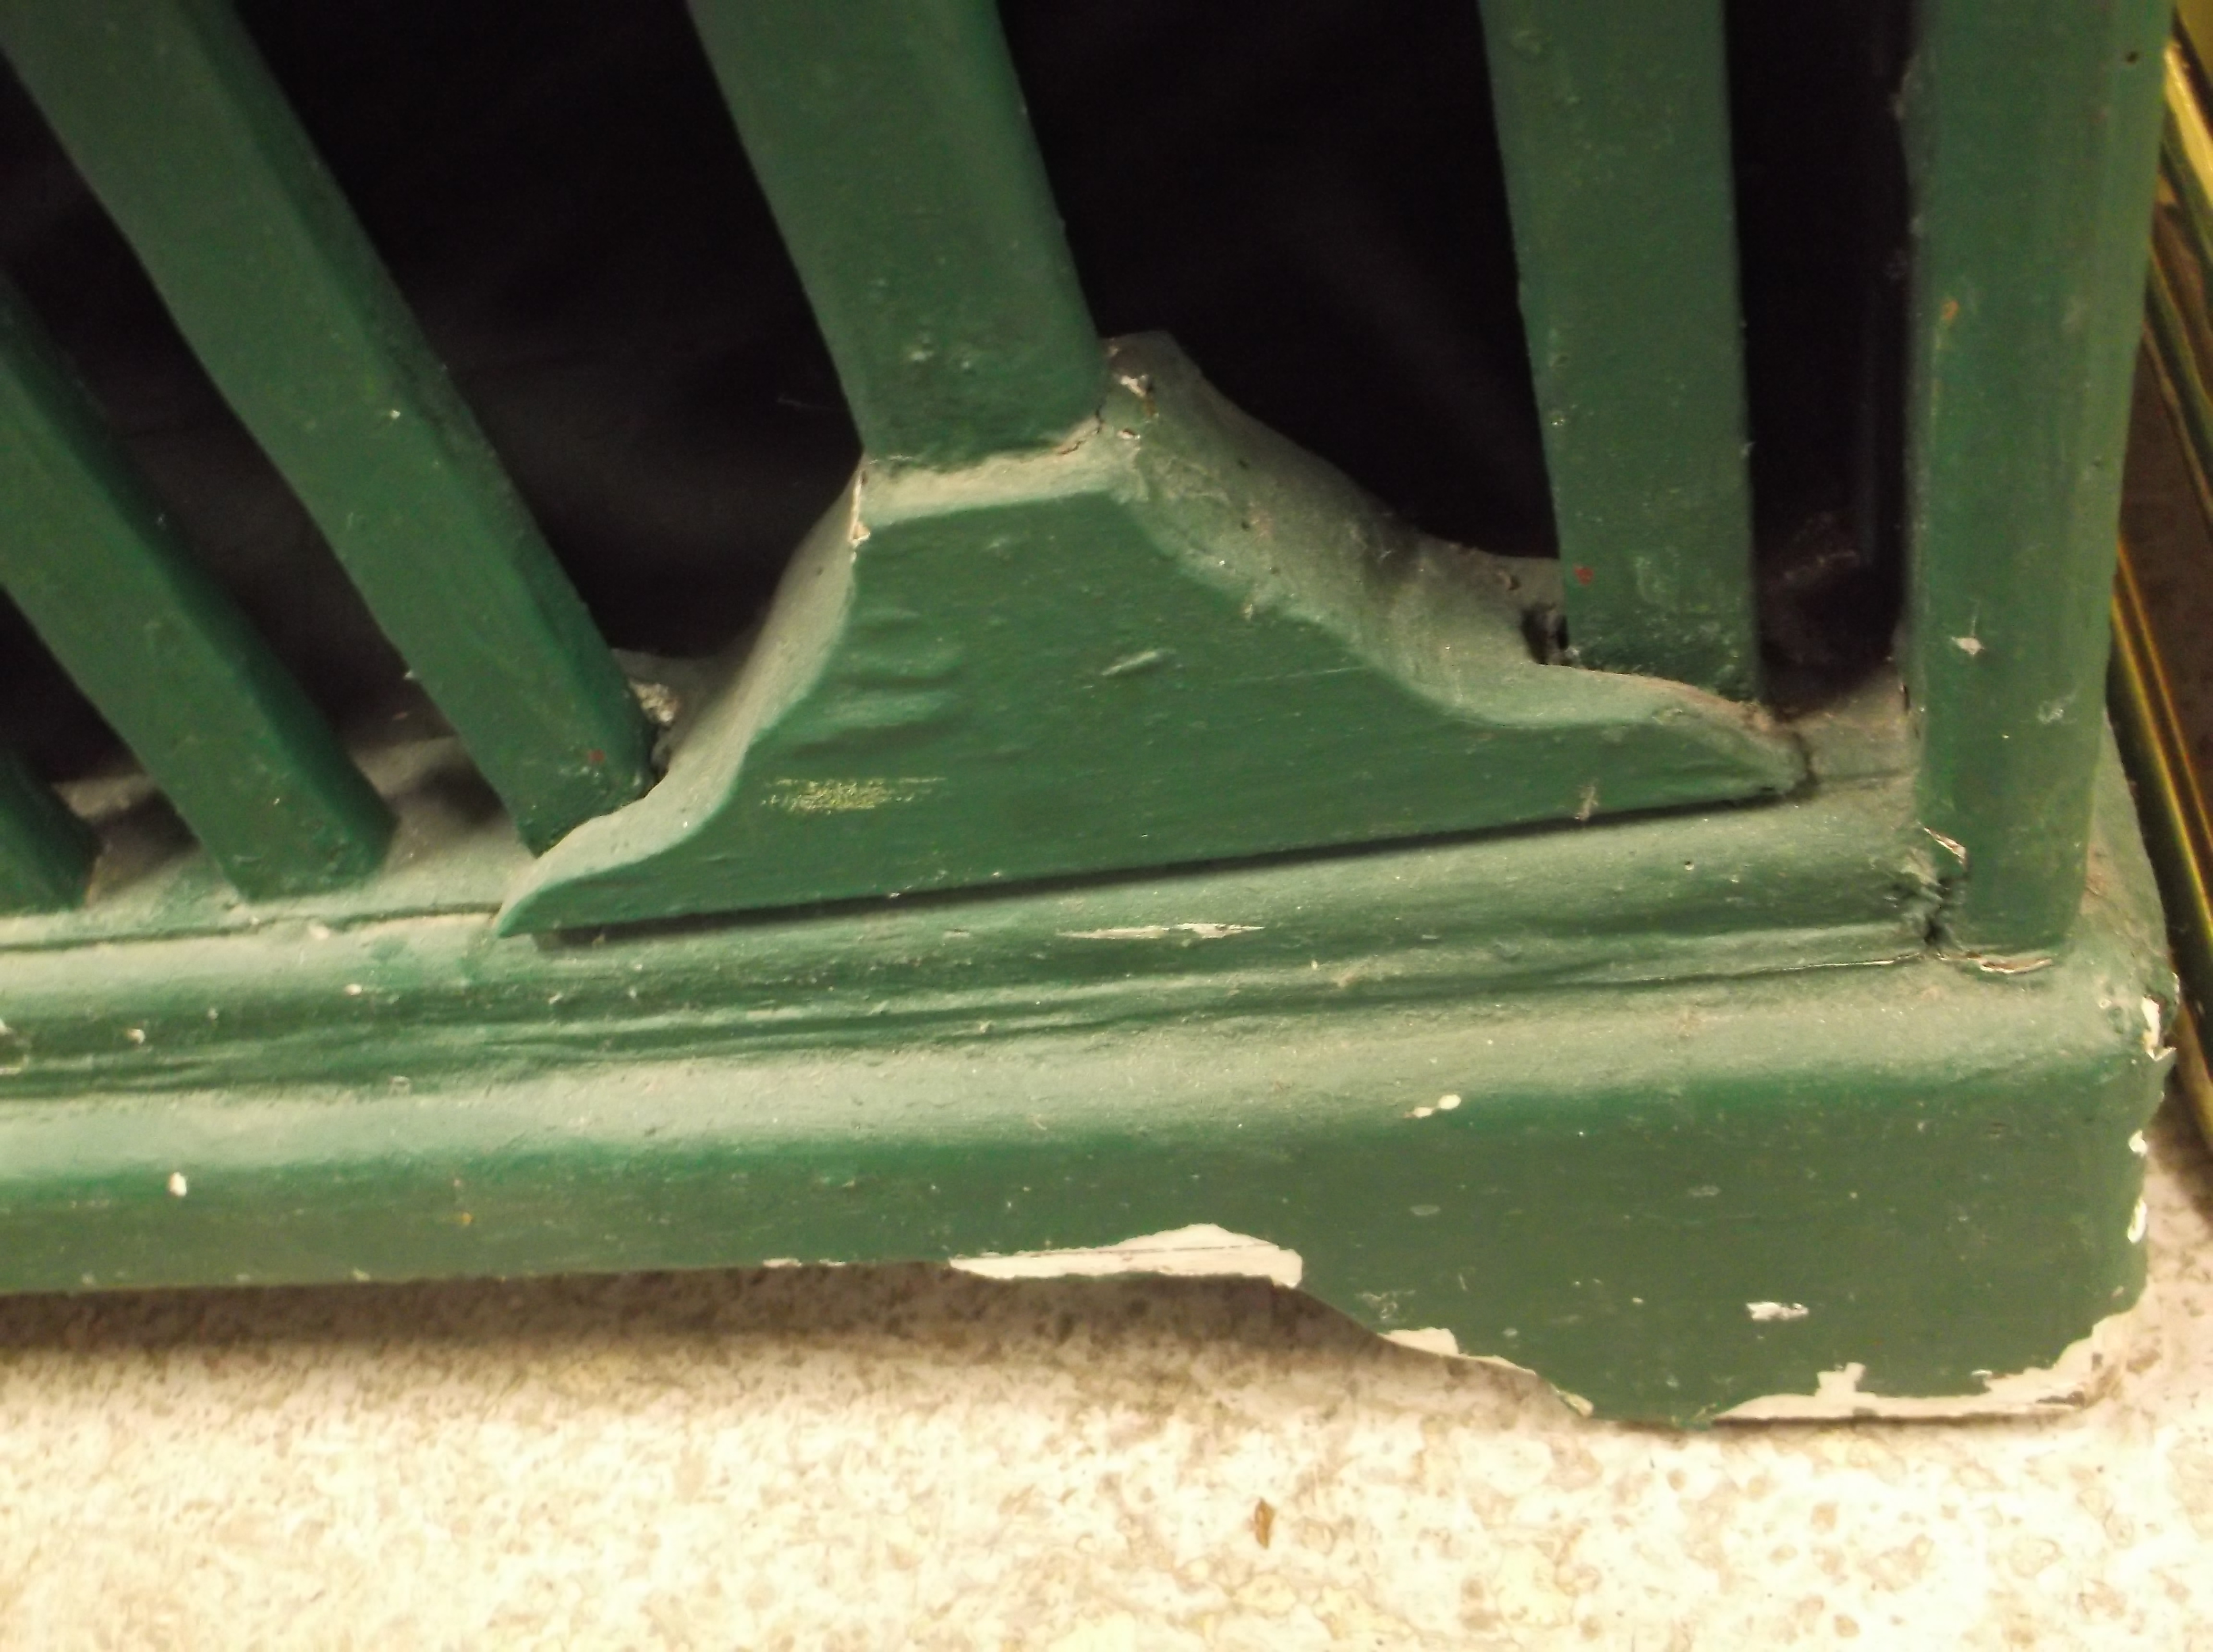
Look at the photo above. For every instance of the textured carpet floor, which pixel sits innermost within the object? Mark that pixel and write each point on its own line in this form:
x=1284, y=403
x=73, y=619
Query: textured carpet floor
x=900, y=1457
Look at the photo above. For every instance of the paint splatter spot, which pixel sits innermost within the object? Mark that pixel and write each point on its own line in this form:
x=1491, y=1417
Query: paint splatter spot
x=1769, y=1312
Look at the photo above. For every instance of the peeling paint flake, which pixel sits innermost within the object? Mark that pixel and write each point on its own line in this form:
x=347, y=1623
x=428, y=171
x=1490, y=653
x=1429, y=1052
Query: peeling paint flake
x=1202, y=1251
x=2154, y=1039
x=2072, y=1381
x=1441, y=1341
x=2012, y=965
x=1957, y=849
x=1164, y=931
x=1431, y=1340
x=1130, y=664
x=1970, y=646
x=1765, y=1312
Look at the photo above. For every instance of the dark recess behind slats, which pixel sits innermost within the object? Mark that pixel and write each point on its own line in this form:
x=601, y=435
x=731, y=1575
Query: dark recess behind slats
x=1305, y=191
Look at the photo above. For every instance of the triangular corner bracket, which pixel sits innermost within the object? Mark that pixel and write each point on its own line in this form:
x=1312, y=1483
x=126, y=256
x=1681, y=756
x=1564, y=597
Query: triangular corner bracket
x=1176, y=637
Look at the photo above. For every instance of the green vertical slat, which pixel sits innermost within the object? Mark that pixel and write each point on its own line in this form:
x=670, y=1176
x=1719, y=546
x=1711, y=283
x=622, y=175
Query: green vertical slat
x=224, y=731
x=46, y=852
x=168, y=112
x=891, y=138
x=1613, y=122
x=2034, y=134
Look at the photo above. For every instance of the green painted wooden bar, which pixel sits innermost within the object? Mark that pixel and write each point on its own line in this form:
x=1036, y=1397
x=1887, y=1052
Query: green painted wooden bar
x=1155, y=773
x=1613, y=121
x=88, y=557
x=166, y=110
x=892, y=137
x=46, y=852
x=2034, y=188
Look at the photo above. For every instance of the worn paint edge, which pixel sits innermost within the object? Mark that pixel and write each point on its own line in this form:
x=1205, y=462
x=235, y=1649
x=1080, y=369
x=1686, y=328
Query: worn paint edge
x=1201, y=1251
x=2081, y=1373
x=2080, y=1376
x=1437, y=1339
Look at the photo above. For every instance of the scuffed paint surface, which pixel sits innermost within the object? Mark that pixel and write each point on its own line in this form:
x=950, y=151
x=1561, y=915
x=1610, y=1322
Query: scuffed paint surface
x=2077, y=1377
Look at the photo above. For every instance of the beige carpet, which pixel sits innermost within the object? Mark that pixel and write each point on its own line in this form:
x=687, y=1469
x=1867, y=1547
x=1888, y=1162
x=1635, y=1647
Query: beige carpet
x=898, y=1457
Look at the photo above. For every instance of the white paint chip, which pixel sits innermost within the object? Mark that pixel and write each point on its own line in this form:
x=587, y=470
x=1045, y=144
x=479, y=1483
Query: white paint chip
x=2069, y=1382
x=1970, y=646
x=2153, y=1030
x=1431, y=1340
x=1957, y=849
x=1202, y=1251
x=1768, y=1311
x=177, y=1186
x=1446, y=1103
x=2139, y=1223
x=1163, y=932
x=2138, y=1146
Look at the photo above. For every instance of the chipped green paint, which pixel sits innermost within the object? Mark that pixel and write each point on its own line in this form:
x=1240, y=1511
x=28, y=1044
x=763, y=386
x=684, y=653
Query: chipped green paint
x=1632, y=1167
x=2035, y=133
x=168, y=111
x=46, y=852
x=1613, y=123
x=1665, y=1093
x=1178, y=638
x=88, y=555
